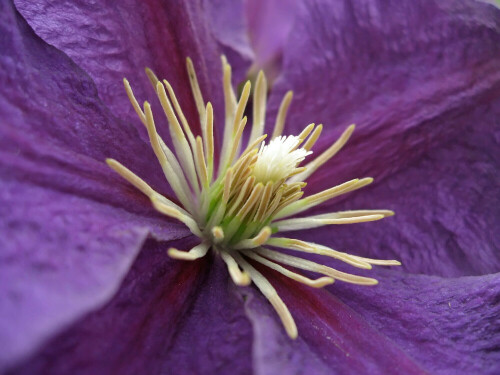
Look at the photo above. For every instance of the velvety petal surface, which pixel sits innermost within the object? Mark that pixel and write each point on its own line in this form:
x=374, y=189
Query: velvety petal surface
x=447, y=209
x=60, y=257
x=410, y=74
x=450, y=326
x=421, y=80
x=169, y=317
x=111, y=40
x=70, y=227
x=333, y=338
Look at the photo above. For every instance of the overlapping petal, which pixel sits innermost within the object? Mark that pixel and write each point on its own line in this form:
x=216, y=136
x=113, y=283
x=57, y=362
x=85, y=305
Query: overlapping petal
x=112, y=40
x=449, y=325
x=423, y=90
x=446, y=204
x=333, y=338
x=70, y=230
x=411, y=74
x=168, y=317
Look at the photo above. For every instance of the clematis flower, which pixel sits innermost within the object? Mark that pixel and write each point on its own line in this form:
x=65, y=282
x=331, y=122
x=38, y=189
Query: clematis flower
x=86, y=285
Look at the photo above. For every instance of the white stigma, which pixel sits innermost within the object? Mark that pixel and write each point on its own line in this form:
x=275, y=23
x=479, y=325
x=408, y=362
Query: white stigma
x=278, y=159
x=242, y=207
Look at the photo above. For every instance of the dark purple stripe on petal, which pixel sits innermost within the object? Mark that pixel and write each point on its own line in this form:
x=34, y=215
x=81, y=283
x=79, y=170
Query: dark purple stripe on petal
x=447, y=209
x=333, y=339
x=450, y=326
x=169, y=317
x=112, y=40
x=411, y=75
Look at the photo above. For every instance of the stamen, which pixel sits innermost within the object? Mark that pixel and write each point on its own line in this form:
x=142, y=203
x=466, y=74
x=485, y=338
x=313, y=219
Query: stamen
x=316, y=199
x=318, y=283
x=230, y=106
x=321, y=220
x=325, y=156
x=196, y=252
x=237, y=138
x=281, y=117
x=176, y=214
x=152, y=77
x=378, y=262
x=241, y=196
x=259, y=107
x=313, y=138
x=140, y=184
x=201, y=166
x=264, y=203
x=195, y=88
x=239, y=278
x=303, y=135
x=179, y=112
x=308, y=247
x=258, y=240
x=181, y=145
x=254, y=197
x=134, y=102
x=272, y=296
x=314, y=267
x=218, y=234
x=172, y=177
x=234, y=134
x=209, y=140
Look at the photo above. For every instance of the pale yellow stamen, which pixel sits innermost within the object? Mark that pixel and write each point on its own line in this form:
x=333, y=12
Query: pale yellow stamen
x=326, y=219
x=218, y=234
x=307, y=247
x=172, y=178
x=325, y=156
x=258, y=240
x=281, y=117
x=181, y=145
x=196, y=252
x=314, y=267
x=239, y=278
x=176, y=214
x=209, y=140
x=318, y=283
x=270, y=293
x=313, y=138
x=316, y=199
x=259, y=108
x=195, y=88
x=179, y=112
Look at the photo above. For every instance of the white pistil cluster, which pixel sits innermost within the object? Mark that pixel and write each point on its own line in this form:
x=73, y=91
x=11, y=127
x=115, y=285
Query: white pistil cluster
x=279, y=159
x=239, y=208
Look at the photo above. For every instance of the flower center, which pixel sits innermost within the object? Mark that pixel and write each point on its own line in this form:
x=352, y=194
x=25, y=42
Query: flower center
x=237, y=208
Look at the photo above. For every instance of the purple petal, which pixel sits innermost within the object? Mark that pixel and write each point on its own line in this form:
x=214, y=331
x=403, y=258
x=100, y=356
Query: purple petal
x=411, y=75
x=69, y=229
x=269, y=24
x=446, y=204
x=50, y=105
x=450, y=326
x=333, y=339
x=112, y=40
x=61, y=256
x=168, y=317
x=230, y=30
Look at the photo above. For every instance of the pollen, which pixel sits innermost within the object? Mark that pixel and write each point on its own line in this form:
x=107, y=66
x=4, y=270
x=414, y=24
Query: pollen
x=240, y=207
